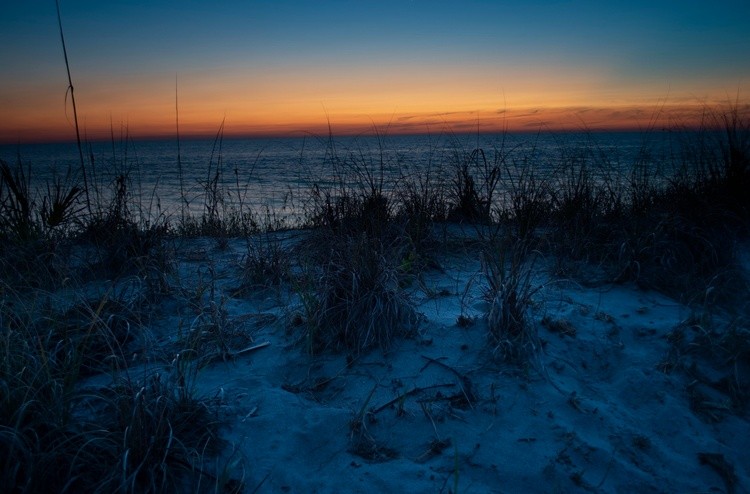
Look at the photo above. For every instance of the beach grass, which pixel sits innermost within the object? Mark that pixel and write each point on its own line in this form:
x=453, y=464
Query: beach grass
x=676, y=230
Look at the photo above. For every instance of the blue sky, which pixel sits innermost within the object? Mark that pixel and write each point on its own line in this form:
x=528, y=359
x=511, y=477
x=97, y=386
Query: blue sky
x=263, y=62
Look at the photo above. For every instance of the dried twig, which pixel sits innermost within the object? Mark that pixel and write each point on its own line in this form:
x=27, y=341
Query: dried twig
x=411, y=392
x=251, y=349
x=466, y=387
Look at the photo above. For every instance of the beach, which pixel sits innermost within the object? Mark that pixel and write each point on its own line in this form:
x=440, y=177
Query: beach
x=576, y=332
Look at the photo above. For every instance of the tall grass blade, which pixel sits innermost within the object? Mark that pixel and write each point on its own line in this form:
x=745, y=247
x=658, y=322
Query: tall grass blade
x=75, y=110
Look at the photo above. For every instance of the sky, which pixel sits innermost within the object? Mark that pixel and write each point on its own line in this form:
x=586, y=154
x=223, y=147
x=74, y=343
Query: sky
x=287, y=67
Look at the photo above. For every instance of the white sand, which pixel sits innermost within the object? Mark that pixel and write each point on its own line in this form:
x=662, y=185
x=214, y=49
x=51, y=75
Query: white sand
x=594, y=412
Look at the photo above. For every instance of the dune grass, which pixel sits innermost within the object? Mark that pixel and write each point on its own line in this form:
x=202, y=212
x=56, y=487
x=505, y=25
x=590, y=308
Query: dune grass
x=675, y=230
x=140, y=433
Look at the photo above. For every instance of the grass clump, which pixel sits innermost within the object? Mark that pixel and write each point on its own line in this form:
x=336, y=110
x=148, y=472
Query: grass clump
x=354, y=299
x=212, y=335
x=34, y=225
x=352, y=263
x=121, y=244
x=18, y=221
x=508, y=270
x=162, y=432
x=149, y=434
x=266, y=263
x=474, y=184
x=422, y=203
x=668, y=222
x=94, y=335
x=715, y=355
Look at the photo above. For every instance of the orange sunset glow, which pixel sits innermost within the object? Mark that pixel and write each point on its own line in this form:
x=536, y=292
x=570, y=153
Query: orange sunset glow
x=401, y=100
x=273, y=71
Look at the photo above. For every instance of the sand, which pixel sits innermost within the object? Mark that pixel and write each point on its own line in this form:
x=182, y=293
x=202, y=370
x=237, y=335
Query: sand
x=605, y=405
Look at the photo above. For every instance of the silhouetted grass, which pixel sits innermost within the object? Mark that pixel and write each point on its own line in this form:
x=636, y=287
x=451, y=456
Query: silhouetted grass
x=350, y=284
x=674, y=228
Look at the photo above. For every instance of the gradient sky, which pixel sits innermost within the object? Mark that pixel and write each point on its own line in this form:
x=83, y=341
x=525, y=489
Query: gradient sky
x=284, y=66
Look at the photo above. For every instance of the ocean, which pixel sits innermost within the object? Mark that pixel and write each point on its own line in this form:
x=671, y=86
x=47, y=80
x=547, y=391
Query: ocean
x=275, y=176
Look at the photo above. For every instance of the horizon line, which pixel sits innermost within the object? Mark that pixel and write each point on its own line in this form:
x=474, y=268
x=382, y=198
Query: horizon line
x=528, y=120
x=324, y=132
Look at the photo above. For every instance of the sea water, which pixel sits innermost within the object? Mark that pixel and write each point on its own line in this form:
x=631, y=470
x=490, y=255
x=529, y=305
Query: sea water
x=276, y=176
